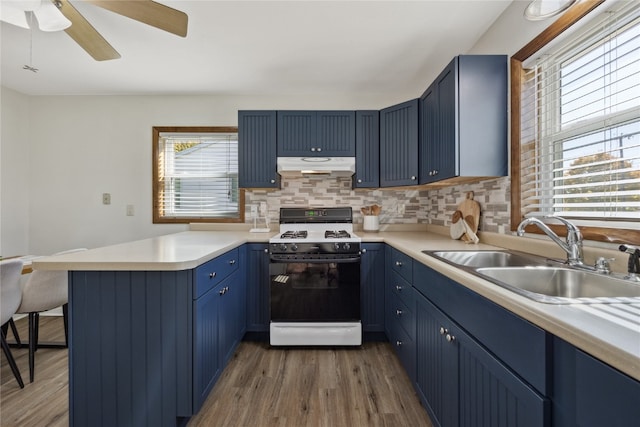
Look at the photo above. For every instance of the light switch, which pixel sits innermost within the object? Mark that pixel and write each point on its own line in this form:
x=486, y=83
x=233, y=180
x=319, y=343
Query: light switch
x=106, y=198
x=130, y=210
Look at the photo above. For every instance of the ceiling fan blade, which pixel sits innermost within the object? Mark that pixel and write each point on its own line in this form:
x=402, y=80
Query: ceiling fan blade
x=149, y=12
x=85, y=35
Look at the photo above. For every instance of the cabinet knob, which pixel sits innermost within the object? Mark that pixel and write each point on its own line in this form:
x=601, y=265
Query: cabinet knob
x=413, y=178
x=398, y=312
x=398, y=264
x=273, y=181
x=266, y=251
x=359, y=181
x=443, y=330
x=232, y=262
x=319, y=149
x=212, y=275
x=430, y=173
x=450, y=338
x=398, y=343
x=398, y=288
x=364, y=251
x=313, y=149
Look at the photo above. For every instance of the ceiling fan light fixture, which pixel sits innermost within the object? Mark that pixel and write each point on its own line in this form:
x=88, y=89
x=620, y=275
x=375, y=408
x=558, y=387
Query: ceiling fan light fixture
x=539, y=10
x=50, y=18
x=12, y=15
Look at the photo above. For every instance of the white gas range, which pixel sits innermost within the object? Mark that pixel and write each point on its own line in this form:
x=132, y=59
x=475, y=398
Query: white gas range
x=315, y=278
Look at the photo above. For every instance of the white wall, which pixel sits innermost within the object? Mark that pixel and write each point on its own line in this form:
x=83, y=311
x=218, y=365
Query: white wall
x=83, y=146
x=14, y=173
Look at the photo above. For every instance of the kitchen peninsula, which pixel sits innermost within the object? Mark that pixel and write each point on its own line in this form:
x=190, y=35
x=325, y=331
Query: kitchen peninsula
x=135, y=308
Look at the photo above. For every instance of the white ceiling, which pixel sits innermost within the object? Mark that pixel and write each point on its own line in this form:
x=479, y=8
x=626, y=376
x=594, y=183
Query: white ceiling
x=255, y=47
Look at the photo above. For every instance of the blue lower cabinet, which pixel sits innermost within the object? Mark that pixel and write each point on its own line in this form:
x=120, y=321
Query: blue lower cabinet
x=462, y=384
x=372, y=287
x=590, y=393
x=146, y=347
x=257, y=282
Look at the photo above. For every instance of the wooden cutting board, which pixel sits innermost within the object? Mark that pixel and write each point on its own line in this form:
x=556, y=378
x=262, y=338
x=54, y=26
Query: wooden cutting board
x=470, y=212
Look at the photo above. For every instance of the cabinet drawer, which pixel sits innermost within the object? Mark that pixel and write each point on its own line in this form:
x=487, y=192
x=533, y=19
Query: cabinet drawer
x=402, y=264
x=405, y=348
x=401, y=288
x=212, y=272
x=402, y=313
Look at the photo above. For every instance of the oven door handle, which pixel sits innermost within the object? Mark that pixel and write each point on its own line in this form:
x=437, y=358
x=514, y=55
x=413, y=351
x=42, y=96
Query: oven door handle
x=349, y=260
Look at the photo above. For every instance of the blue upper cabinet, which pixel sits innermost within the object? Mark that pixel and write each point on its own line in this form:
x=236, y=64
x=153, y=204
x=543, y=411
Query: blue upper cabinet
x=316, y=133
x=399, y=144
x=367, y=149
x=463, y=120
x=257, y=149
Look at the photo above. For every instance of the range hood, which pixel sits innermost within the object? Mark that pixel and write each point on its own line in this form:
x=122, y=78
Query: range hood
x=333, y=166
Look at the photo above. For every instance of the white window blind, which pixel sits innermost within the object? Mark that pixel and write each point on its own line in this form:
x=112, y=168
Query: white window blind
x=580, y=123
x=198, y=175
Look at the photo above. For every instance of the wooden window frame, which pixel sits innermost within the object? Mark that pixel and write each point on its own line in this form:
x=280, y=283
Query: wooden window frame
x=572, y=16
x=159, y=219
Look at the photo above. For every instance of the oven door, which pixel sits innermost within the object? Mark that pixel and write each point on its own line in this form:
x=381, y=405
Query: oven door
x=315, y=291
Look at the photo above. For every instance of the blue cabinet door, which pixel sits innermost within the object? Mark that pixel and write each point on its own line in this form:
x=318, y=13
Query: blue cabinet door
x=231, y=298
x=399, y=144
x=316, y=133
x=436, y=364
x=372, y=287
x=590, y=393
x=445, y=150
x=297, y=133
x=367, y=149
x=336, y=133
x=257, y=149
x=206, y=354
x=257, y=301
x=428, y=135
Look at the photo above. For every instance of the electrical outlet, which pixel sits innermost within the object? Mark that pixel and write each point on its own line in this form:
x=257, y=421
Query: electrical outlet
x=254, y=211
x=130, y=210
x=106, y=198
x=400, y=209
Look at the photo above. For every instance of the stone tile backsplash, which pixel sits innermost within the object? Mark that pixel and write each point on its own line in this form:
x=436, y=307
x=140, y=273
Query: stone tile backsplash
x=420, y=205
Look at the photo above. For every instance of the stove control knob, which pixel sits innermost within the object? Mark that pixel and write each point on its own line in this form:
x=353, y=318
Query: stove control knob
x=337, y=246
x=294, y=247
x=283, y=247
x=347, y=246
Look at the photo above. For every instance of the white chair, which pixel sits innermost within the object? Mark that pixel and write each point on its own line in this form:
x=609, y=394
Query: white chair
x=44, y=290
x=10, y=297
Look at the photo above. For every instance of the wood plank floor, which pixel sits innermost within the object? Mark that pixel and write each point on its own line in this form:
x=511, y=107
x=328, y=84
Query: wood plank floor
x=261, y=387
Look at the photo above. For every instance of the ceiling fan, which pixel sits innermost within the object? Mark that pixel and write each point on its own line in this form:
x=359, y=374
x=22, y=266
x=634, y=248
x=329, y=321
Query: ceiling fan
x=57, y=15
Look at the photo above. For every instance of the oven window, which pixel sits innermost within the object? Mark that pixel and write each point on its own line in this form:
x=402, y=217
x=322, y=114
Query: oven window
x=315, y=292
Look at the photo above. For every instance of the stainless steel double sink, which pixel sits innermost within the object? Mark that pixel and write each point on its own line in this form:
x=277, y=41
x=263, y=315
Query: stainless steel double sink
x=536, y=278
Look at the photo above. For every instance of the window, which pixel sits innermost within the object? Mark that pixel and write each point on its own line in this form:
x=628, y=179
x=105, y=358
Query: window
x=195, y=175
x=578, y=137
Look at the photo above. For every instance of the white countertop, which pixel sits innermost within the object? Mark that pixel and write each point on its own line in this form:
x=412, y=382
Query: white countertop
x=609, y=332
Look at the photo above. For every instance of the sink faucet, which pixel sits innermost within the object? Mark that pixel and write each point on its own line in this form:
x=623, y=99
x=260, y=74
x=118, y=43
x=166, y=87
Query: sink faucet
x=573, y=245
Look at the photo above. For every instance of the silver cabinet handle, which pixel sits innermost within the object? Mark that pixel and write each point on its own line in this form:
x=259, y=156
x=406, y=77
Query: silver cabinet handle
x=399, y=288
x=398, y=343
x=364, y=251
x=232, y=262
x=450, y=338
x=266, y=251
x=430, y=173
x=398, y=312
x=319, y=149
x=443, y=330
x=273, y=181
x=313, y=149
x=359, y=181
x=413, y=178
x=212, y=275
x=398, y=264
